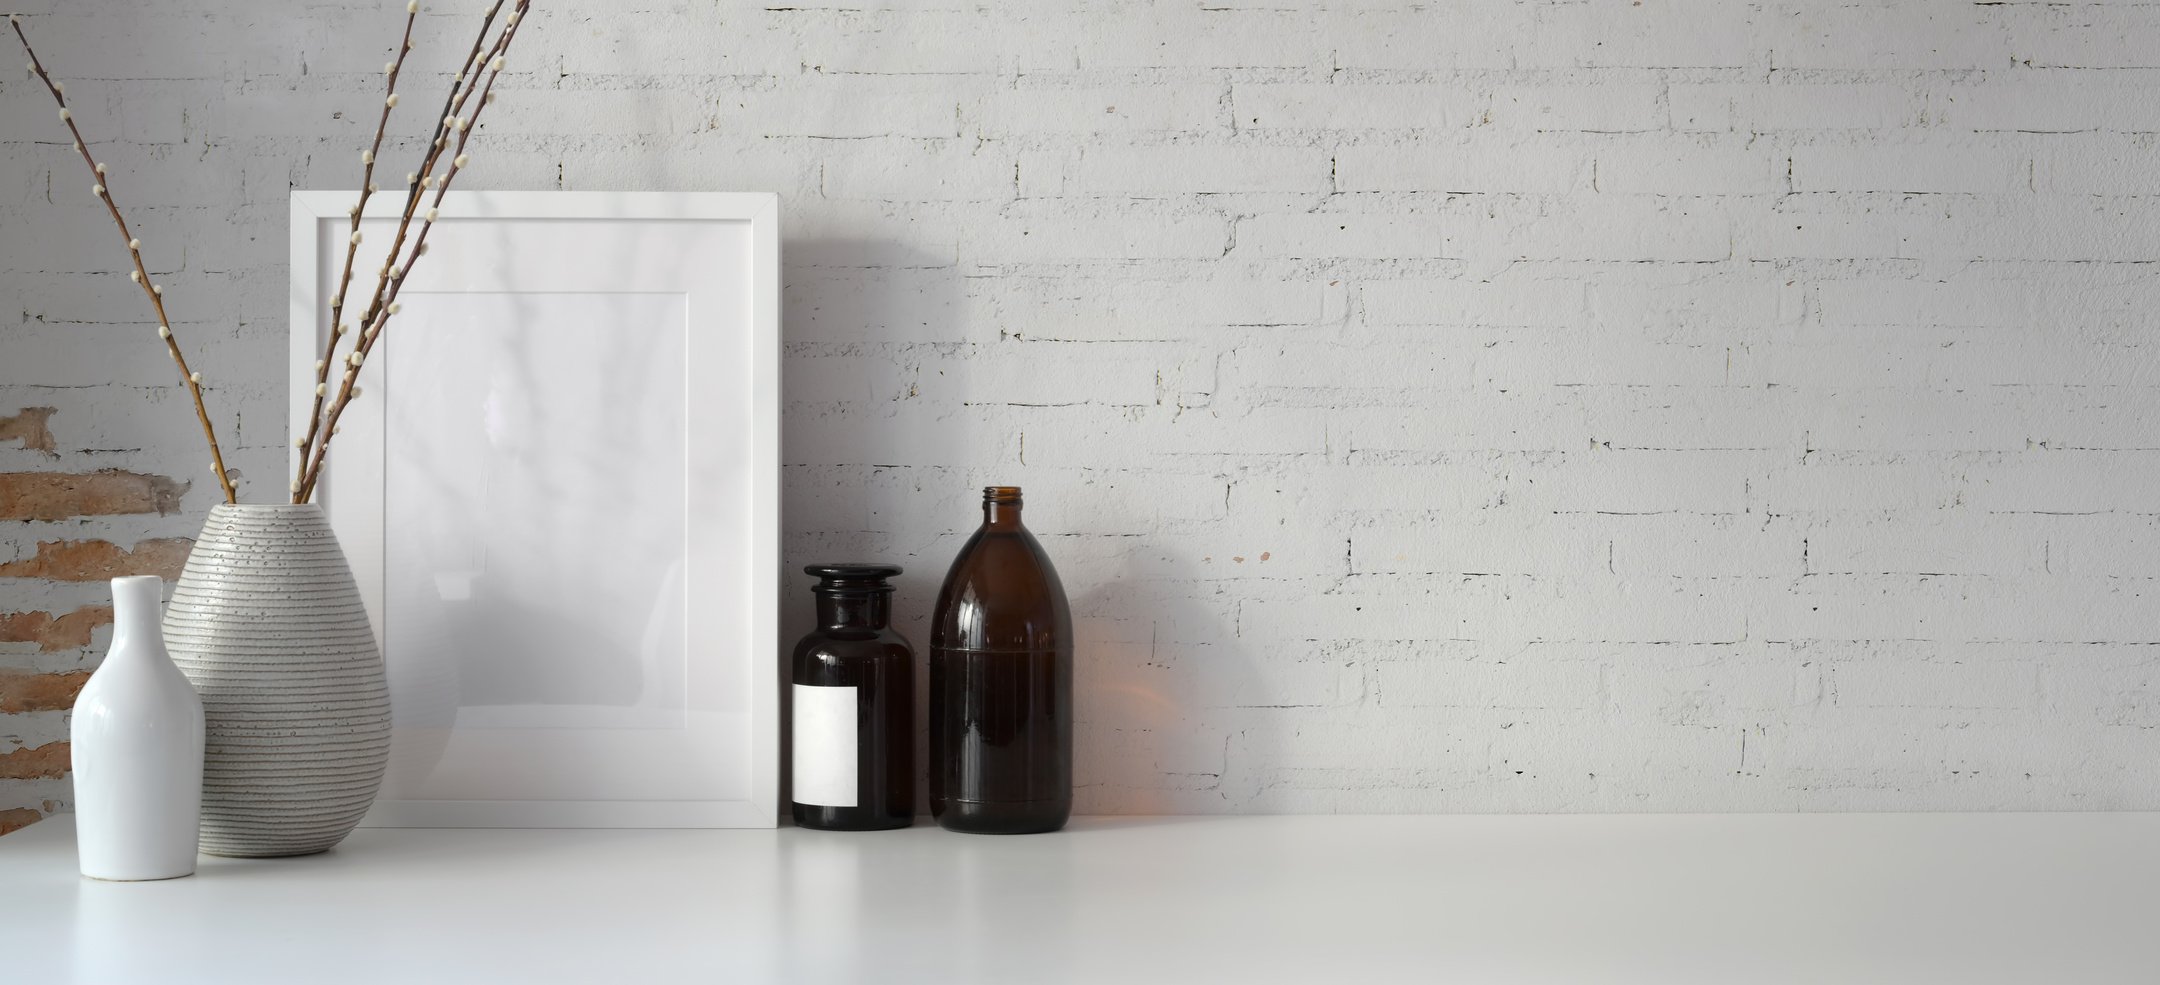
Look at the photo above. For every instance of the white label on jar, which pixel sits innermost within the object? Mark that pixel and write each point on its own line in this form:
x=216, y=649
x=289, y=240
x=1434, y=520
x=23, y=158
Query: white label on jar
x=825, y=747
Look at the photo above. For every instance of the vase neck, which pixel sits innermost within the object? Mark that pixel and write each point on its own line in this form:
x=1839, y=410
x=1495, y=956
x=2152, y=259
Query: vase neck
x=137, y=610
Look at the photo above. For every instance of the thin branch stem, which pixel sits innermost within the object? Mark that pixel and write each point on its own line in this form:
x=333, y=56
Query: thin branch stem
x=352, y=241
x=383, y=307
x=142, y=273
x=461, y=87
x=319, y=429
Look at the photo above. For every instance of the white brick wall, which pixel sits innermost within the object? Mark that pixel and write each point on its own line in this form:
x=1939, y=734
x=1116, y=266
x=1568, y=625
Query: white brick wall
x=1673, y=405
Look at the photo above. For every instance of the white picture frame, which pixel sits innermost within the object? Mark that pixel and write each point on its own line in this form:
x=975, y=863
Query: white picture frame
x=537, y=514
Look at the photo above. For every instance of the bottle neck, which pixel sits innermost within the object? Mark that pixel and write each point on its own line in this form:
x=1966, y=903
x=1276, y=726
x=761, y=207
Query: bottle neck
x=869, y=611
x=1001, y=516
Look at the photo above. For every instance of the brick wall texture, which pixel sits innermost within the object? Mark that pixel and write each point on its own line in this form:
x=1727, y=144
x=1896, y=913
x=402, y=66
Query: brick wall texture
x=1470, y=406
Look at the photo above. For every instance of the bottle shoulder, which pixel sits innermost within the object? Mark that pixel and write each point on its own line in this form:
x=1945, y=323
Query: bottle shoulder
x=826, y=646
x=1002, y=593
x=882, y=660
x=128, y=677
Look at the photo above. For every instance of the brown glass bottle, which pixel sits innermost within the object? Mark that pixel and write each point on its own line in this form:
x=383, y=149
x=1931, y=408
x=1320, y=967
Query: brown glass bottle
x=1001, y=678
x=853, y=700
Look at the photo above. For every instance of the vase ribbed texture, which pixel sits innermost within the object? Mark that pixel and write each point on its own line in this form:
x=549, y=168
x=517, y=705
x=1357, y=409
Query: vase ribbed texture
x=267, y=623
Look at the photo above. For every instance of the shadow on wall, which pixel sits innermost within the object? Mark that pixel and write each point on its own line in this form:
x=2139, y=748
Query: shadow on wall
x=1150, y=659
x=855, y=315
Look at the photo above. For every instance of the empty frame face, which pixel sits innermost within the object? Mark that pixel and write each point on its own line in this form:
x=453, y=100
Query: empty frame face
x=552, y=591
x=551, y=492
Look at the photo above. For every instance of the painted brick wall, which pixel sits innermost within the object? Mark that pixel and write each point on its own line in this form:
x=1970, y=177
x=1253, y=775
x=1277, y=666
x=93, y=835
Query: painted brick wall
x=1667, y=405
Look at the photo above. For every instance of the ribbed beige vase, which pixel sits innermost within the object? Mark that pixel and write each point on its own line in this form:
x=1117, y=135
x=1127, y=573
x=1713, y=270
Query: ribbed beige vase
x=267, y=623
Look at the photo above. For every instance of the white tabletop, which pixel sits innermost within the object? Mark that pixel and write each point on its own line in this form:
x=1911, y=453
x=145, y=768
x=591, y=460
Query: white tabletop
x=1633, y=898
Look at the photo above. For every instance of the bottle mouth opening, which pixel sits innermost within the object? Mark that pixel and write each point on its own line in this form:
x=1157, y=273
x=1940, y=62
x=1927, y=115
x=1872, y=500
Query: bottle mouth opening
x=1001, y=494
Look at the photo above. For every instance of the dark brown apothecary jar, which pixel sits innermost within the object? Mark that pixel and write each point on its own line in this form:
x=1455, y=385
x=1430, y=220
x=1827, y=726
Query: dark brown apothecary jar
x=1001, y=683
x=853, y=706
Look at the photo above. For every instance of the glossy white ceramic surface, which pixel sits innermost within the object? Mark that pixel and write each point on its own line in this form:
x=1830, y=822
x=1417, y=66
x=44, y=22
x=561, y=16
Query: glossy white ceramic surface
x=1764, y=899
x=558, y=492
x=136, y=737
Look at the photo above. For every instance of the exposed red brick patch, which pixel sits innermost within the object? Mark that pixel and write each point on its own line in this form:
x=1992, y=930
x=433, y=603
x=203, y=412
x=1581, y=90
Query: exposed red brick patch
x=60, y=495
x=98, y=560
x=18, y=818
x=28, y=427
x=46, y=762
x=20, y=692
x=52, y=632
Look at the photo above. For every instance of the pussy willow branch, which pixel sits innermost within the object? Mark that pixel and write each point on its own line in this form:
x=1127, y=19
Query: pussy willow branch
x=141, y=276
x=352, y=241
x=395, y=271
x=320, y=427
x=317, y=431
x=461, y=88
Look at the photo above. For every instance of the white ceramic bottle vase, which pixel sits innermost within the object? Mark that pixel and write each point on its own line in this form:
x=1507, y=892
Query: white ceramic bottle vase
x=137, y=743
